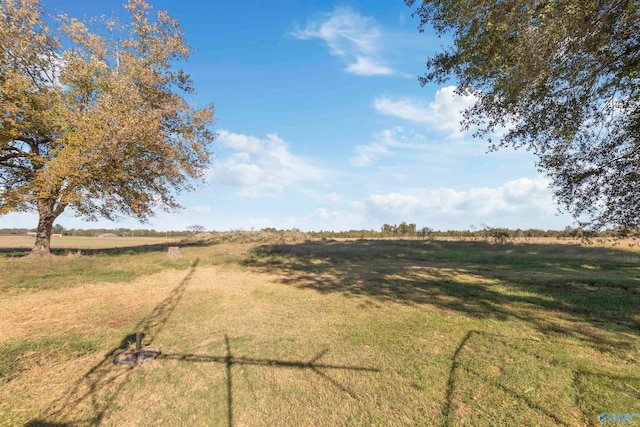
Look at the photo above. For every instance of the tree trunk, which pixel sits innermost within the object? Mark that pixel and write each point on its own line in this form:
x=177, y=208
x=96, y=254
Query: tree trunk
x=46, y=217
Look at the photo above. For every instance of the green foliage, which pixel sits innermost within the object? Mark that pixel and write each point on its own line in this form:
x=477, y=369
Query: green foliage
x=387, y=231
x=497, y=235
x=401, y=230
x=562, y=78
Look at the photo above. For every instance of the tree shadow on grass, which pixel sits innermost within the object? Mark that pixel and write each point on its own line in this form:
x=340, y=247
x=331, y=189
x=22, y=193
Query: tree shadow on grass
x=99, y=386
x=591, y=294
x=452, y=384
x=517, y=371
x=229, y=360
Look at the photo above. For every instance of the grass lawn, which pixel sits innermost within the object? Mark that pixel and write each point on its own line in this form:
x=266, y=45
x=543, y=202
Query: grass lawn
x=322, y=334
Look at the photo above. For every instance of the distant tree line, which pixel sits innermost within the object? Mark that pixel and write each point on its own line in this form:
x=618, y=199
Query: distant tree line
x=402, y=230
x=120, y=232
x=405, y=230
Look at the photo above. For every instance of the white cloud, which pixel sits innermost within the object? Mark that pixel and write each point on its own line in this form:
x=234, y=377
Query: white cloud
x=331, y=198
x=321, y=215
x=351, y=36
x=366, y=155
x=244, y=143
x=404, y=108
x=385, y=144
x=523, y=200
x=444, y=113
x=402, y=204
x=325, y=219
x=367, y=67
x=262, y=167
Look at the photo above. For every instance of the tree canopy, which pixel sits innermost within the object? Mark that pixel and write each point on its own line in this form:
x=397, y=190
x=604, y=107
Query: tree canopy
x=560, y=78
x=94, y=117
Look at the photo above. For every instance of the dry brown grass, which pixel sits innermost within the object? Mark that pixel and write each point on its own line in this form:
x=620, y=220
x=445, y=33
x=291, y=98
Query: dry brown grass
x=83, y=309
x=336, y=334
x=265, y=330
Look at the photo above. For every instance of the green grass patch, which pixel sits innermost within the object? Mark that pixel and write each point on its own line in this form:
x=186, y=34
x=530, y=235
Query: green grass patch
x=511, y=281
x=72, y=271
x=106, y=265
x=498, y=380
x=17, y=356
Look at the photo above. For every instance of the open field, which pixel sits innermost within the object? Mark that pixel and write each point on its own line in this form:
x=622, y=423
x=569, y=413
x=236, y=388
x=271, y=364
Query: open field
x=324, y=333
x=73, y=242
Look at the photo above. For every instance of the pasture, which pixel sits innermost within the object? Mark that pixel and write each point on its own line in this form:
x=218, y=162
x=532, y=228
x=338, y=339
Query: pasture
x=322, y=333
x=60, y=244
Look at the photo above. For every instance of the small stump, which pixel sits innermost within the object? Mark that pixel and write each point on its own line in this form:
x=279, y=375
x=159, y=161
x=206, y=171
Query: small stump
x=174, y=252
x=137, y=357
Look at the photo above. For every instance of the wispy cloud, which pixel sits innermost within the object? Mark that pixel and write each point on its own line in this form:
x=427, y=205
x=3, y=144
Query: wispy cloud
x=331, y=198
x=444, y=113
x=351, y=36
x=385, y=144
x=329, y=219
x=201, y=209
x=263, y=167
x=368, y=67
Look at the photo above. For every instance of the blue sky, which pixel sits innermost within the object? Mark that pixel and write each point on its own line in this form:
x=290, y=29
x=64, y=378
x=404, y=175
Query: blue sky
x=323, y=125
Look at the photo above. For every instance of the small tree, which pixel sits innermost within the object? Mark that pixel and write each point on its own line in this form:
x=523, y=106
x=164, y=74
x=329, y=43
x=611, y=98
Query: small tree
x=95, y=121
x=196, y=228
x=496, y=235
x=426, y=232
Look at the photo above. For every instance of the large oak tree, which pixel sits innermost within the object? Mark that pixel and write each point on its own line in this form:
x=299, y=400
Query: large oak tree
x=93, y=117
x=563, y=77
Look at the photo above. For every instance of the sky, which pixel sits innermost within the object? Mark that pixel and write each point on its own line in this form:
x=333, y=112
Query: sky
x=323, y=125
